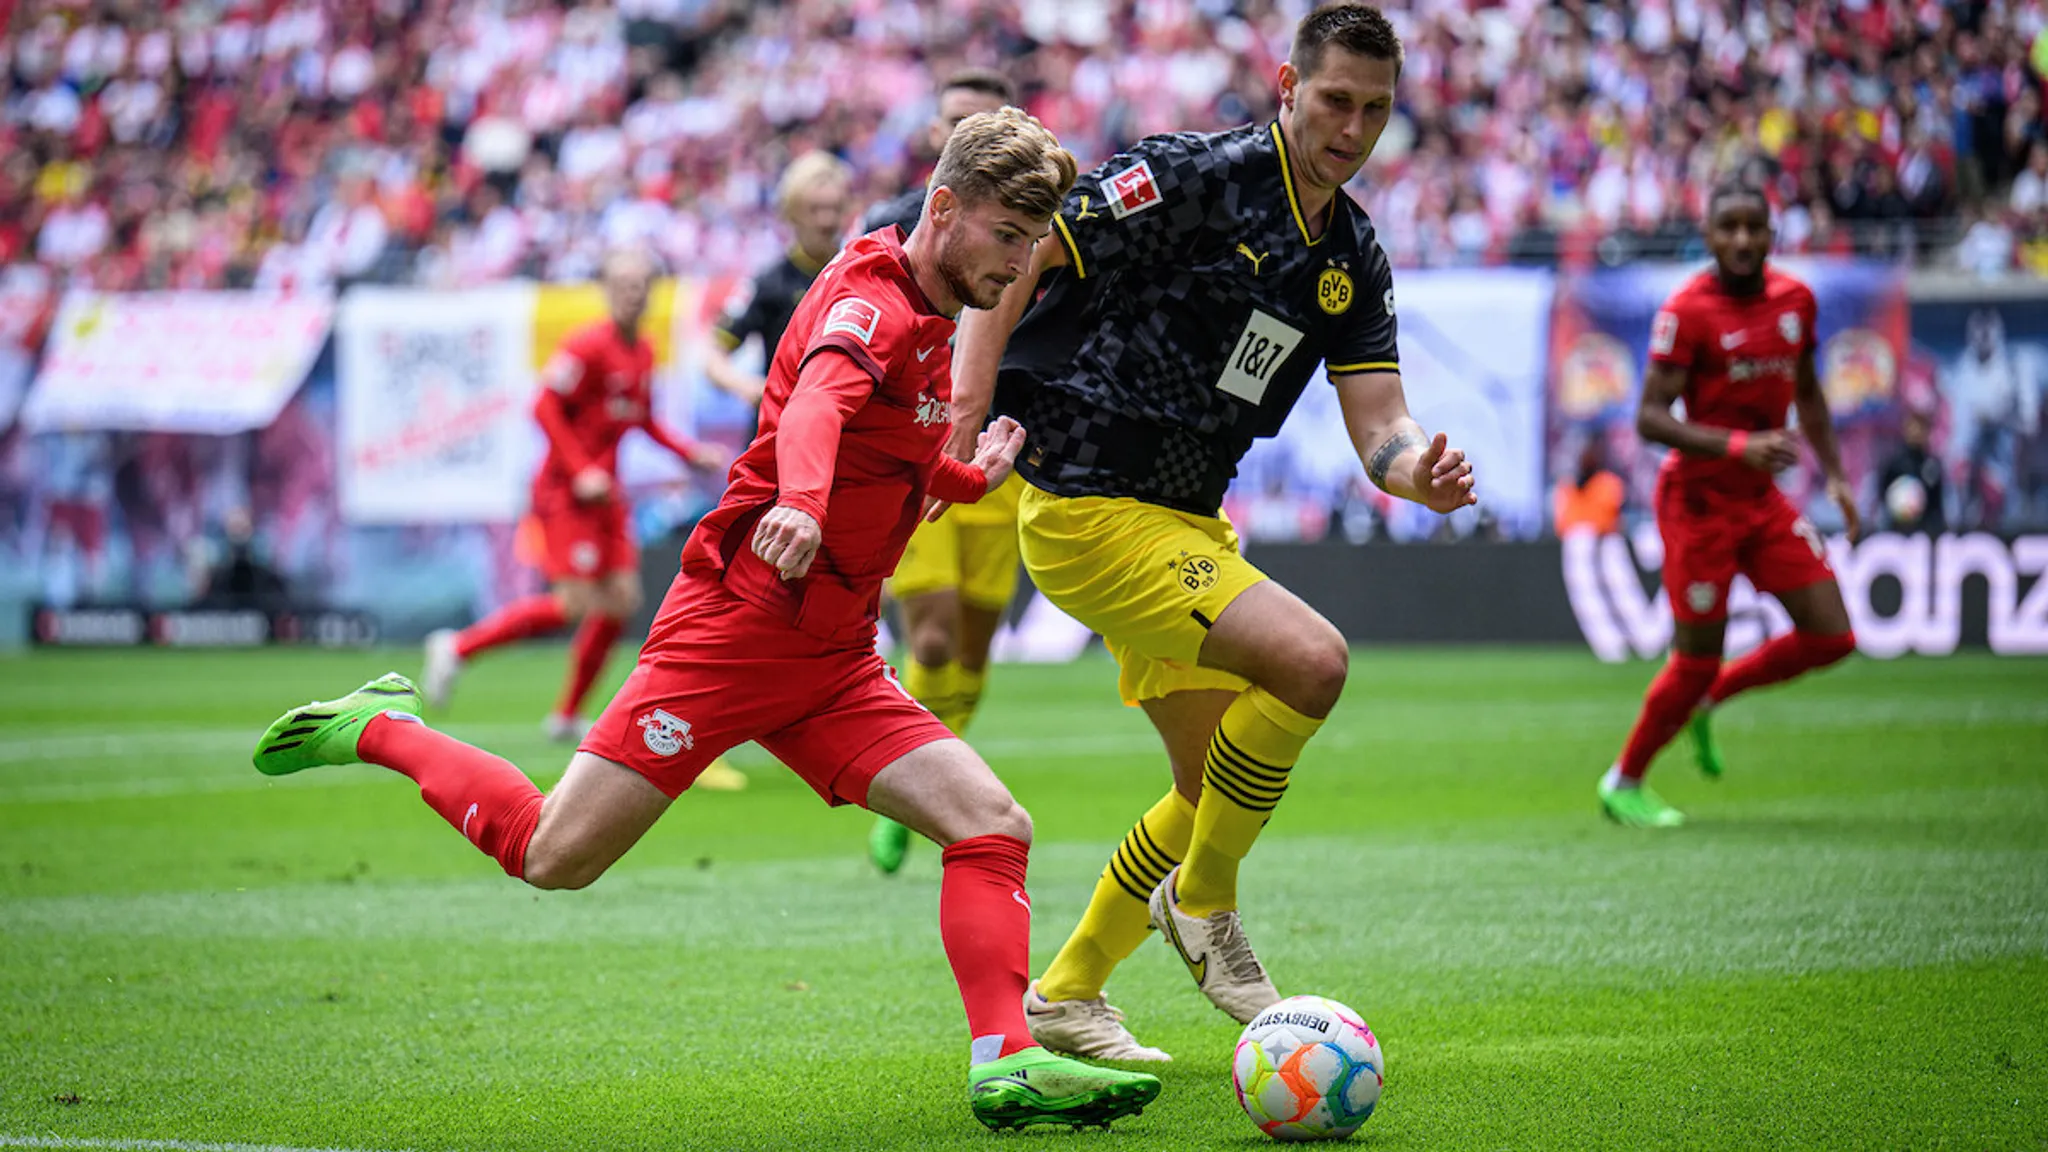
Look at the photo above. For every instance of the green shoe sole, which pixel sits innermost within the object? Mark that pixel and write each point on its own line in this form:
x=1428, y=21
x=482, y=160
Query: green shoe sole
x=324, y=732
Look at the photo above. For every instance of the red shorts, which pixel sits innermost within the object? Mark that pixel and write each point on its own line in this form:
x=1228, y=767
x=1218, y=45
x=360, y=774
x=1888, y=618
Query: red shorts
x=581, y=541
x=1707, y=540
x=718, y=671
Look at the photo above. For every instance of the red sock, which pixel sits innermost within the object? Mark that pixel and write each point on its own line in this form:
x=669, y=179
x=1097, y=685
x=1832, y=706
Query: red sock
x=1668, y=704
x=483, y=796
x=1781, y=659
x=985, y=922
x=587, y=652
x=529, y=616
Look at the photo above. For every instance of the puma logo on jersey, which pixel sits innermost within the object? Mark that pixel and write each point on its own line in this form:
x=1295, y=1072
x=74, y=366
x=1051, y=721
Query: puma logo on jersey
x=1256, y=258
x=1084, y=213
x=931, y=410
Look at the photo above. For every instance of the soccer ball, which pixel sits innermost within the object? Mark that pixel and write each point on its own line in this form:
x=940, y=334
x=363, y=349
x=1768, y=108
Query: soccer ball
x=1308, y=1068
x=1906, y=499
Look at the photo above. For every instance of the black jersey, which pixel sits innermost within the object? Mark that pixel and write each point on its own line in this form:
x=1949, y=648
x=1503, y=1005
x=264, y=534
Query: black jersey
x=903, y=211
x=1193, y=311
x=762, y=306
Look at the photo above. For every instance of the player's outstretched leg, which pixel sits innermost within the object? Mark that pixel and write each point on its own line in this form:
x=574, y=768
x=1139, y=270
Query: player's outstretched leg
x=482, y=796
x=326, y=731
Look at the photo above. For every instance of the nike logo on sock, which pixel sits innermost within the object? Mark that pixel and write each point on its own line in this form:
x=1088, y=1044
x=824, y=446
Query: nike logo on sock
x=1018, y=895
x=466, y=817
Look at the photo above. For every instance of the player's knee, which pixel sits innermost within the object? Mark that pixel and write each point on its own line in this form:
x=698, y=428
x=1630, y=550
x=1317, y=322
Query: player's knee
x=1011, y=820
x=558, y=870
x=931, y=645
x=1321, y=665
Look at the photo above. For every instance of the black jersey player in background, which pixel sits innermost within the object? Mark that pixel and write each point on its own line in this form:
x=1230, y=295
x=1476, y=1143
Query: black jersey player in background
x=1192, y=286
x=815, y=198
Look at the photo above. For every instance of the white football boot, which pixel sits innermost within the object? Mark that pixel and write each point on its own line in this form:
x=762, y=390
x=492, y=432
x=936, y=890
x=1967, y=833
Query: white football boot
x=1086, y=1028
x=1216, y=953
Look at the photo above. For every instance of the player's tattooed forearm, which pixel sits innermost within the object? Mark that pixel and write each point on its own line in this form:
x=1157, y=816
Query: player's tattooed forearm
x=1399, y=442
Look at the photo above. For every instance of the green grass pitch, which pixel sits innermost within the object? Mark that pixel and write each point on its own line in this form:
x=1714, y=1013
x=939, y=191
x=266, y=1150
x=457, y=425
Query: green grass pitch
x=1848, y=948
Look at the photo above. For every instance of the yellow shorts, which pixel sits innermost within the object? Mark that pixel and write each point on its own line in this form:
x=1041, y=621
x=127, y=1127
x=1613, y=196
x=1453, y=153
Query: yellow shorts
x=973, y=548
x=1149, y=579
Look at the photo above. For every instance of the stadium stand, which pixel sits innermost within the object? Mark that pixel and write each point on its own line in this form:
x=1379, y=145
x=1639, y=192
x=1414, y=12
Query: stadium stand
x=290, y=143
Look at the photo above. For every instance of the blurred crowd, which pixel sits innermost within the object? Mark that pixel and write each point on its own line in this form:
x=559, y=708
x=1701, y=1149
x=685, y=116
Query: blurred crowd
x=301, y=143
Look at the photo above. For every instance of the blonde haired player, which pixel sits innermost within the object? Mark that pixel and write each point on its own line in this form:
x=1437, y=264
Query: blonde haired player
x=768, y=633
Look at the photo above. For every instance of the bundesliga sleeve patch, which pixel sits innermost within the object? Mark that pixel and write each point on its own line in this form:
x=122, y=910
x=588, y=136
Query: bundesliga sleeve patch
x=855, y=317
x=1131, y=190
x=1664, y=333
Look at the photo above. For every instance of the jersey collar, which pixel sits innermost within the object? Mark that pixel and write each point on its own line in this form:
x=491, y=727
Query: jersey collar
x=1293, y=200
x=803, y=262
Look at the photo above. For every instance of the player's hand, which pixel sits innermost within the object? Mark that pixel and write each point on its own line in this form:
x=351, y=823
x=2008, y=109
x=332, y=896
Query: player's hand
x=1845, y=499
x=705, y=457
x=788, y=539
x=591, y=486
x=995, y=450
x=1443, y=477
x=1772, y=451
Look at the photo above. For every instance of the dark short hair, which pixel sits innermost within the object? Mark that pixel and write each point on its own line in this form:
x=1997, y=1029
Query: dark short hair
x=1731, y=188
x=1357, y=28
x=986, y=81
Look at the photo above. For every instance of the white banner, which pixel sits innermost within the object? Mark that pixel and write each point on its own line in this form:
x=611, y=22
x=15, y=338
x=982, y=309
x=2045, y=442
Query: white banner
x=1473, y=347
x=206, y=362
x=1605, y=577
x=433, y=391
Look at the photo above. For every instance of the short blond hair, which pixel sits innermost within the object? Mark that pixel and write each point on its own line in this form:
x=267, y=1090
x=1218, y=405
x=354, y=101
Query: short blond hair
x=808, y=171
x=1009, y=157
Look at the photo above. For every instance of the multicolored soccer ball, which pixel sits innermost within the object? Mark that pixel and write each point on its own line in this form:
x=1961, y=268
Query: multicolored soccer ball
x=1308, y=1068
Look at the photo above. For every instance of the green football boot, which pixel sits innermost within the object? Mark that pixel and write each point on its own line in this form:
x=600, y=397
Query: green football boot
x=1036, y=1087
x=1705, y=752
x=1638, y=807
x=887, y=842
x=325, y=731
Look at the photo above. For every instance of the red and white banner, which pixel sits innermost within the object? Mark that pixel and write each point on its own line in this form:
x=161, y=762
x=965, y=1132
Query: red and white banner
x=205, y=362
x=433, y=392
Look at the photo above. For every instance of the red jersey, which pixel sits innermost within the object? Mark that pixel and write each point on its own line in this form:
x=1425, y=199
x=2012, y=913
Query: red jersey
x=594, y=388
x=857, y=447
x=1741, y=356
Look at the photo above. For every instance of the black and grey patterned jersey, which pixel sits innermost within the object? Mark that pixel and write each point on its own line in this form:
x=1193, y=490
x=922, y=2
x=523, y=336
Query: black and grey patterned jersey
x=1191, y=315
x=762, y=306
x=903, y=211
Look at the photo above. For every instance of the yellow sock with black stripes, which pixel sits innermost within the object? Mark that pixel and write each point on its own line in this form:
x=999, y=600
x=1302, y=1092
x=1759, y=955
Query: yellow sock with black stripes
x=1255, y=746
x=967, y=686
x=1117, y=920
x=936, y=686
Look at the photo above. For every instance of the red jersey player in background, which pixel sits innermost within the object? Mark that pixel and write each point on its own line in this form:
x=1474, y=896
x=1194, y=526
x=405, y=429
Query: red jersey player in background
x=768, y=632
x=598, y=384
x=1736, y=343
